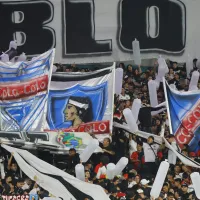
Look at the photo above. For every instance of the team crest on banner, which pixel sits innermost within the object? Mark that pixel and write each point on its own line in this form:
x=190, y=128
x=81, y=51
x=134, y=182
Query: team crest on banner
x=80, y=102
x=24, y=92
x=185, y=117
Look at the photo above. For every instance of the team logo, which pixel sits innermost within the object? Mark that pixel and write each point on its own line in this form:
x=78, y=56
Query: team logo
x=77, y=105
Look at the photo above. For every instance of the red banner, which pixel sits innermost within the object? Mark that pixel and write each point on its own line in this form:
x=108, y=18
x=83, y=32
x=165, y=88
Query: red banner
x=25, y=89
x=99, y=127
x=190, y=123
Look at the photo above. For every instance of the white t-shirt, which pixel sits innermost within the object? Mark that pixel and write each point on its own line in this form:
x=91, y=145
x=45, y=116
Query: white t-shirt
x=171, y=155
x=149, y=155
x=125, y=97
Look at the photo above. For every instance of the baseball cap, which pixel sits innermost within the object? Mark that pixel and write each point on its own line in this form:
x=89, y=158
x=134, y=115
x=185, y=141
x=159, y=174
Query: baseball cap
x=144, y=181
x=184, y=185
x=139, y=191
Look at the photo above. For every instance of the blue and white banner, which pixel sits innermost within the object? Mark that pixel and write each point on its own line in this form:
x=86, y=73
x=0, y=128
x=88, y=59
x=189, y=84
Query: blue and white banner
x=23, y=93
x=81, y=102
x=184, y=110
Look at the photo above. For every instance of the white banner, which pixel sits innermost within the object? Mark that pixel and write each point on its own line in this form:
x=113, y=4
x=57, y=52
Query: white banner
x=88, y=31
x=81, y=102
x=47, y=176
x=24, y=88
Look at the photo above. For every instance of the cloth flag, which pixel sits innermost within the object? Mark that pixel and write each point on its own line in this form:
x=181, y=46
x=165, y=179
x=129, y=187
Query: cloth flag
x=24, y=93
x=81, y=102
x=55, y=181
x=184, y=111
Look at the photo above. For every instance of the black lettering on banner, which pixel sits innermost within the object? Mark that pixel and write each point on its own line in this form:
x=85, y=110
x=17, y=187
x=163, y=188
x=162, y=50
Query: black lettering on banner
x=34, y=136
x=157, y=24
x=30, y=137
x=26, y=22
x=79, y=29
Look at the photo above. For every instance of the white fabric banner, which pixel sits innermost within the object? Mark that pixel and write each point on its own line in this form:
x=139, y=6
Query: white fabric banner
x=99, y=33
x=37, y=167
x=82, y=102
x=24, y=88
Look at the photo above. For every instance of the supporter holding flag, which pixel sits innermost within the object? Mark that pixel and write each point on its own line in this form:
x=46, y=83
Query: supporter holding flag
x=145, y=117
x=72, y=161
x=12, y=169
x=107, y=148
x=171, y=156
x=150, y=156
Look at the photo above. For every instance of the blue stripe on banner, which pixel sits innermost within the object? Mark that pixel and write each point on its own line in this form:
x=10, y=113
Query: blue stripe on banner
x=18, y=127
x=23, y=63
x=22, y=77
x=40, y=99
x=28, y=69
x=8, y=73
x=38, y=113
x=17, y=102
x=39, y=66
x=8, y=67
x=36, y=117
x=46, y=62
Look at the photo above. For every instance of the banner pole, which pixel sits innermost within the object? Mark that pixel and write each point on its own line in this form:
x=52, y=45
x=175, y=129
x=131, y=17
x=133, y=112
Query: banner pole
x=49, y=78
x=113, y=97
x=167, y=106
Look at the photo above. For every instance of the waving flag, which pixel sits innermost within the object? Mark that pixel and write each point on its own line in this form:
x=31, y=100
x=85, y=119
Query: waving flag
x=81, y=102
x=24, y=92
x=184, y=110
x=47, y=176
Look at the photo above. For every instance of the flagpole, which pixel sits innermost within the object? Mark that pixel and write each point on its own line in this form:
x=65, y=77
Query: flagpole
x=46, y=102
x=113, y=96
x=167, y=106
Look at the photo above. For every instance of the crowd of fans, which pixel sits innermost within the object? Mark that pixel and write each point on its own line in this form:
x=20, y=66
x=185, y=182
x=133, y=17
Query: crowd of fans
x=74, y=68
x=144, y=155
x=14, y=182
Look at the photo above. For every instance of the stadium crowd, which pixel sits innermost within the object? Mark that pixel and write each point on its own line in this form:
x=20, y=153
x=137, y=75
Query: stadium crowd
x=137, y=178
